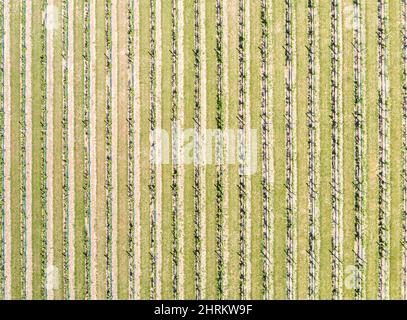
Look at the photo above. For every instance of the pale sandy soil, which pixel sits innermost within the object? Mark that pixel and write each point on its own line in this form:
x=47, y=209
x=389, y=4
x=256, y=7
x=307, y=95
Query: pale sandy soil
x=137, y=105
x=226, y=108
x=28, y=110
x=71, y=148
x=7, y=149
x=93, y=175
x=248, y=155
x=159, y=149
x=181, y=172
x=203, y=149
x=50, y=154
x=114, y=146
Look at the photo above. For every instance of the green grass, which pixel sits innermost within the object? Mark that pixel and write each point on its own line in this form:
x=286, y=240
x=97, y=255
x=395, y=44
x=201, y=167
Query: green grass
x=396, y=149
x=36, y=145
x=301, y=12
x=325, y=169
x=79, y=153
x=15, y=147
x=279, y=257
x=101, y=287
x=372, y=134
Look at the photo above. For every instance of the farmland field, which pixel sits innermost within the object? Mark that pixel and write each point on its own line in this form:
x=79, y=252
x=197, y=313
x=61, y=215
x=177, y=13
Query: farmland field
x=203, y=149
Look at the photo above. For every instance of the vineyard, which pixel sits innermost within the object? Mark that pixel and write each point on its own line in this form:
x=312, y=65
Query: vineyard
x=203, y=149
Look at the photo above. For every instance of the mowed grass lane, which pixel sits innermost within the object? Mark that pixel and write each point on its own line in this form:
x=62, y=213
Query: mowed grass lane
x=395, y=76
x=280, y=223
x=15, y=182
x=79, y=231
x=373, y=151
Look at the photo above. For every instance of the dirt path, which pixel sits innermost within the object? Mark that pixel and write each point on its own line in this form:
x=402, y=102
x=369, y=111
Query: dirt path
x=7, y=149
x=50, y=151
x=71, y=148
x=248, y=156
x=226, y=116
x=137, y=106
x=159, y=148
x=28, y=117
x=93, y=172
x=203, y=148
x=114, y=147
x=181, y=173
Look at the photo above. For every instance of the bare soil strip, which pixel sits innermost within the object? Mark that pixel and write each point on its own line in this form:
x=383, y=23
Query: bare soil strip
x=404, y=132
x=28, y=154
x=181, y=174
x=384, y=152
x=159, y=151
x=248, y=154
x=313, y=152
x=291, y=173
x=7, y=152
x=360, y=150
x=225, y=57
x=51, y=281
x=114, y=147
x=71, y=148
x=203, y=147
x=93, y=172
x=137, y=173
